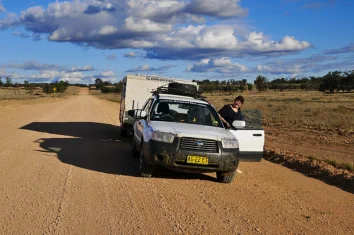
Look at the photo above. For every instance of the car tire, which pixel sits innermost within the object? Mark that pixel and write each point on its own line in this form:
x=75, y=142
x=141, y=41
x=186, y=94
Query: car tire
x=225, y=177
x=145, y=168
x=134, y=151
x=123, y=132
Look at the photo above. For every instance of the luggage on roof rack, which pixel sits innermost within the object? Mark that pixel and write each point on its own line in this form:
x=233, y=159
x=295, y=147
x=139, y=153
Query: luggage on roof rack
x=176, y=88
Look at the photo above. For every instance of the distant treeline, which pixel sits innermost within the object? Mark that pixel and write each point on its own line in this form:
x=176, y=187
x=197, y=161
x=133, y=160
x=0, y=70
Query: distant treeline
x=108, y=87
x=331, y=82
x=54, y=87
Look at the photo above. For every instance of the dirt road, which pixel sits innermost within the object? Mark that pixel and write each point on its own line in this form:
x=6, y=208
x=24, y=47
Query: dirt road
x=64, y=170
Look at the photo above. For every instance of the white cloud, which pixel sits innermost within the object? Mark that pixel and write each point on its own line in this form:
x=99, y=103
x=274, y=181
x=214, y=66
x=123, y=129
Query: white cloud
x=259, y=43
x=144, y=67
x=82, y=69
x=145, y=25
x=224, y=8
x=165, y=29
x=107, y=74
x=2, y=8
x=108, y=30
x=218, y=65
x=130, y=55
x=148, y=68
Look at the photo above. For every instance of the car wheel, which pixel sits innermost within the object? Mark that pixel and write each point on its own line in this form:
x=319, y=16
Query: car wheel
x=225, y=177
x=145, y=168
x=134, y=151
x=123, y=132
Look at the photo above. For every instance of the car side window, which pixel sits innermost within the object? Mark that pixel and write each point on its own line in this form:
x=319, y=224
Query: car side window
x=147, y=106
x=144, y=105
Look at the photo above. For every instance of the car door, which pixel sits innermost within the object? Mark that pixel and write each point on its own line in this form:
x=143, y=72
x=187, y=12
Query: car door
x=251, y=137
x=140, y=124
x=251, y=144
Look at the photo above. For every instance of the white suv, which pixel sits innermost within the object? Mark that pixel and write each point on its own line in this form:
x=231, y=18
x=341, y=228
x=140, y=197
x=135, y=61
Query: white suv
x=183, y=133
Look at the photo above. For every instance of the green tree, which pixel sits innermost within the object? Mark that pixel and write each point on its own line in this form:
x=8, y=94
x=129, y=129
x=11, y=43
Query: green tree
x=8, y=82
x=249, y=87
x=1, y=83
x=331, y=81
x=26, y=84
x=61, y=86
x=261, y=83
x=243, y=85
x=99, y=83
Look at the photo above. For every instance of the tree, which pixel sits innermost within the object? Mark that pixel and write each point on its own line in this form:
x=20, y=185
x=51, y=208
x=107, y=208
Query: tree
x=61, y=86
x=99, y=83
x=249, y=87
x=1, y=83
x=243, y=85
x=26, y=84
x=8, y=82
x=331, y=81
x=261, y=83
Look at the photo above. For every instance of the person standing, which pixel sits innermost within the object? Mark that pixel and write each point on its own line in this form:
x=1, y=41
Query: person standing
x=232, y=112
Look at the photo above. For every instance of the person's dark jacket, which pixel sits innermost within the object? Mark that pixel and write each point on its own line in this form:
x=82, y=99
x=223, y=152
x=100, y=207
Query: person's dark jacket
x=229, y=114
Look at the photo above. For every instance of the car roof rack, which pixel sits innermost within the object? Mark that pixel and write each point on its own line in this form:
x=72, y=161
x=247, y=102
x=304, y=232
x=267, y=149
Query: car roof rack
x=167, y=89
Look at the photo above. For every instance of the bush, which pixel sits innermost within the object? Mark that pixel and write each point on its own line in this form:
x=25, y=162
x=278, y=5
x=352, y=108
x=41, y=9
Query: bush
x=106, y=89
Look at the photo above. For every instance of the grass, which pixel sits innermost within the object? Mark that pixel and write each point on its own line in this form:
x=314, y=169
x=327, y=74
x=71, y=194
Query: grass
x=345, y=165
x=20, y=94
x=114, y=97
x=339, y=165
x=24, y=95
x=296, y=109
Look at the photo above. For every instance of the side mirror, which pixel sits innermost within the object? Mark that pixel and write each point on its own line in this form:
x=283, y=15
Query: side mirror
x=137, y=113
x=131, y=113
x=239, y=124
x=140, y=114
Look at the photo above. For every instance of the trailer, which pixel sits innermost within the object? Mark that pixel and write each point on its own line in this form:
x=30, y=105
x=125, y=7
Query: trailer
x=137, y=89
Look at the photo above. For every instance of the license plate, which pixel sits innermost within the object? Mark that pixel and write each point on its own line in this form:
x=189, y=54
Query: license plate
x=197, y=160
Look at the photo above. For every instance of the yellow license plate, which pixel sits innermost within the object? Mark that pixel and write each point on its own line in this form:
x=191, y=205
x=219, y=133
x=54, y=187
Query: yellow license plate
x=197, y=160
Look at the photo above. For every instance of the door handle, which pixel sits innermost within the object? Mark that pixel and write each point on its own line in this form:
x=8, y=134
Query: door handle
x=257, y=134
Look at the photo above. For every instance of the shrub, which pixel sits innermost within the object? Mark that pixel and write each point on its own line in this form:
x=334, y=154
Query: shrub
x=109, y=90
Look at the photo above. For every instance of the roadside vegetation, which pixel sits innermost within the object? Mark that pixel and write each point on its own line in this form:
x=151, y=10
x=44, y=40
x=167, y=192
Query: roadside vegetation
x=332, y=82
x=30, y=91
x=106, y=90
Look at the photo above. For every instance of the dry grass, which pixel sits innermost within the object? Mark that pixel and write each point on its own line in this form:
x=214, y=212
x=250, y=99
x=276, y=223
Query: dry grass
x=114, y=97
x=296, y=109
x=12, y=94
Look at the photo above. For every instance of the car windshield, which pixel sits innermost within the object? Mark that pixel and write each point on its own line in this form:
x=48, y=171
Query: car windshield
x=185, y=112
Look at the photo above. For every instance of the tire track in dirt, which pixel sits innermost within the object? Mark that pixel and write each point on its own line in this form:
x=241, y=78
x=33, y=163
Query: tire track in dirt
x=54, y=226
x=108, y=207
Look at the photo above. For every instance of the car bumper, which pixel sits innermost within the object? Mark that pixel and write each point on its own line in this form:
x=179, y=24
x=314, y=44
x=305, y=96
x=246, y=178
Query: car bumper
x=170, y=156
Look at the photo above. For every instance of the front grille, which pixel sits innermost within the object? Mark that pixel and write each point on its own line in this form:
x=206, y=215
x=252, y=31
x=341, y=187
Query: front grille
x=201, y=145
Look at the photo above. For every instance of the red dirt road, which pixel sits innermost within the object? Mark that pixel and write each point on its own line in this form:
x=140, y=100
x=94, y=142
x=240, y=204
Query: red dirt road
x=64, y=170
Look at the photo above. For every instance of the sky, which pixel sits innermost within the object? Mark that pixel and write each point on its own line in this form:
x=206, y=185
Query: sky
x=81, y=40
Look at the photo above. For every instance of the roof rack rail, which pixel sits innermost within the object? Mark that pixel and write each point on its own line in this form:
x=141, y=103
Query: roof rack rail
x=182, y=89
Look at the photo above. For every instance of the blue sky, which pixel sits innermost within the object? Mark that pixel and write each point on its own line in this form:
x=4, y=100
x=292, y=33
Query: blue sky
x=80, y=40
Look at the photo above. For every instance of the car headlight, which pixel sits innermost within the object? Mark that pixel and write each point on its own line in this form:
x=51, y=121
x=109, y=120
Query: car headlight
x=229, y=143
x=163, y=137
